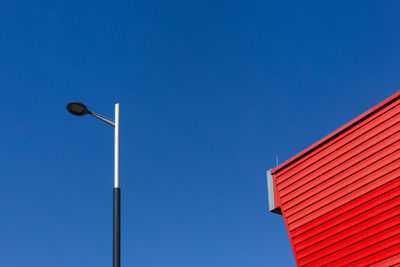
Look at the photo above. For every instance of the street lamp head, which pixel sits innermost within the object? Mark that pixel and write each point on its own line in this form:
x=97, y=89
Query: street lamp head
x=77, y=108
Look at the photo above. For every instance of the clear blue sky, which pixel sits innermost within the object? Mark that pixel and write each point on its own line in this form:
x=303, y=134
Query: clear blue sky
x=210, y=92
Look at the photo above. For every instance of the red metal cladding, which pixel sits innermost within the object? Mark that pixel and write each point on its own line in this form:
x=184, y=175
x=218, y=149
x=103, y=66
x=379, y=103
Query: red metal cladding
x=340, y=198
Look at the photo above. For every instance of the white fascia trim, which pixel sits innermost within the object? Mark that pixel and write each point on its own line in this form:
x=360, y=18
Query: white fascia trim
x=271, y=197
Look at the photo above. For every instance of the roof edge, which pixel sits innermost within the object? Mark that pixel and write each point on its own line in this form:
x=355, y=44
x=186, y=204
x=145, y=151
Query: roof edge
x=337, y=132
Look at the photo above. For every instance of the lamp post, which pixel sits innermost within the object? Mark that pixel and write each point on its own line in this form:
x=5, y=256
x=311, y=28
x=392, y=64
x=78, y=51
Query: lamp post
x=80, y=109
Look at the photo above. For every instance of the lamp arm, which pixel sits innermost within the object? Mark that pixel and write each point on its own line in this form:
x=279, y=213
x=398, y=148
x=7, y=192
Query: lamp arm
x=101, y=117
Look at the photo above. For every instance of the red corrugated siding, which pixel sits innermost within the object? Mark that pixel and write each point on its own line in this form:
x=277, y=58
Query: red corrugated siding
x=340, y=198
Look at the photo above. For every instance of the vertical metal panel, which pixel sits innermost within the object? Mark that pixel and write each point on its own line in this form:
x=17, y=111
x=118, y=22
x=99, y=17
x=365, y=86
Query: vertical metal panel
x=340, y=198
x=271, y=195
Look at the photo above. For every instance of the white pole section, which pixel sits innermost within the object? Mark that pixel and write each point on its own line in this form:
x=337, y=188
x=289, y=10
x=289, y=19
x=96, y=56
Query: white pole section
x=116, y=147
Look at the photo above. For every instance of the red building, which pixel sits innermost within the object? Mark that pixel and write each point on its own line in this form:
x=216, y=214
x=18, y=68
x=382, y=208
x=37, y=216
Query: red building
x=340, y=198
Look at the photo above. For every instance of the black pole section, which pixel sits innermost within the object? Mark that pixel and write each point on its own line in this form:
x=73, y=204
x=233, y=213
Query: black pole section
x=117, y=228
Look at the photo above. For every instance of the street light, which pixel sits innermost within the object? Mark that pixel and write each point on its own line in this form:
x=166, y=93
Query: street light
x=79, y=109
